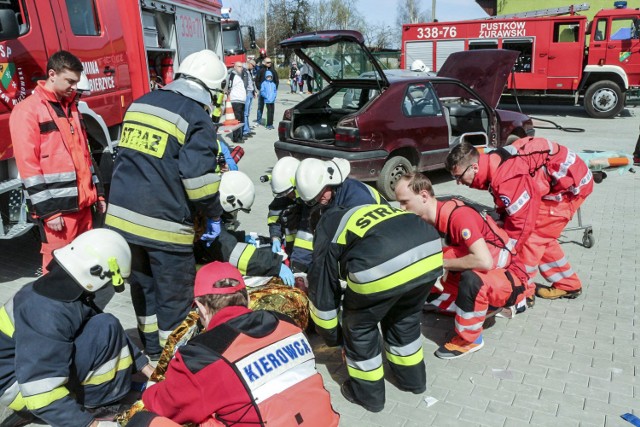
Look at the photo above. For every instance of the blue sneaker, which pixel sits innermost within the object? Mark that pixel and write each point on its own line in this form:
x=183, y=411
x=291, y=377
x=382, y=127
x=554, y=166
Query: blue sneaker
x=270, y=127
x=458, y=347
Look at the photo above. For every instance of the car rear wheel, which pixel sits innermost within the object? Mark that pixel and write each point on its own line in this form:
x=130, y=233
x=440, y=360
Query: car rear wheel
x=391, y=172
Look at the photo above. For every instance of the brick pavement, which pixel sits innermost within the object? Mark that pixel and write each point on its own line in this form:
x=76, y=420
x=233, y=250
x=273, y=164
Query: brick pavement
x=566, y=363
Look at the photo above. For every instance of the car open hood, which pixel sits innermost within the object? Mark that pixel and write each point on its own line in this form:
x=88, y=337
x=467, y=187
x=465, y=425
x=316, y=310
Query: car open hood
x=485, y=71
x=336, y=55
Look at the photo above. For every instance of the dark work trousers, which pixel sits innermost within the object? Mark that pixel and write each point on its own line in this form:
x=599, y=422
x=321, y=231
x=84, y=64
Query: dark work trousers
x=309, y=80
x=399, y=318
x=270, y=108
x=260, y=108
x=238, y=111
x=101, y=346
x=161, y=291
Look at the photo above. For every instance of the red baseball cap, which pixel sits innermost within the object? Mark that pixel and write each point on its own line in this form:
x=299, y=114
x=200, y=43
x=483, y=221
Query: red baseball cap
x=213, y=272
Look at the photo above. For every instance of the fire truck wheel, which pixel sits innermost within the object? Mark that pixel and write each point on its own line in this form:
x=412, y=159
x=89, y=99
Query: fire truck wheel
x=603, y=99
x=391, y=172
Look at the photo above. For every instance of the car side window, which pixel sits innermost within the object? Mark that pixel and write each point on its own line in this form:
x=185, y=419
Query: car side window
x=83, y=17
x=420, y=101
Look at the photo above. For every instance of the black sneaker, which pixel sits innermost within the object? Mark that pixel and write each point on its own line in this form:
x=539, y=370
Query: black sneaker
x=347, y=392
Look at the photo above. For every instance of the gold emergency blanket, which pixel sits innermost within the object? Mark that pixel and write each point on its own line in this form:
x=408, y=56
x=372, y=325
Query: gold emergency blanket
x=273, y=296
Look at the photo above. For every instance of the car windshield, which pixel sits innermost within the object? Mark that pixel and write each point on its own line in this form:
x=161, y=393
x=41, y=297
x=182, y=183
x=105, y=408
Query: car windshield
x=342, y=60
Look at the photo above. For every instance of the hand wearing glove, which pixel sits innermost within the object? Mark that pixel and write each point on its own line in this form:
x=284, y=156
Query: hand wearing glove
x=286, y=275
x=276, y=246
x=212, y=232
x=250, y=240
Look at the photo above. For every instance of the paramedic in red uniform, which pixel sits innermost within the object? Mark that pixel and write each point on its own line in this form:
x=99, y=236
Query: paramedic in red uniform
x=537, y=186
x=52, y=155
x=249, y=368
x=481, y=270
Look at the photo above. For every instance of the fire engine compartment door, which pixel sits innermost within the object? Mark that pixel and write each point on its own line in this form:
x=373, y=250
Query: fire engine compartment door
x=190, y=32
x=87, y=29
x=566, y=51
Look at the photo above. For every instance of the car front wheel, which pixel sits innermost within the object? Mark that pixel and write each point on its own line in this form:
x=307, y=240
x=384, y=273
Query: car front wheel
x=391, y=173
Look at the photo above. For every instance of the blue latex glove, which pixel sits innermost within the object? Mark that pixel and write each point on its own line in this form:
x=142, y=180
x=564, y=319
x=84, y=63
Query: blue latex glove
x=250, y=240
x=276, y=246
x=212, y=232
x=287, y=275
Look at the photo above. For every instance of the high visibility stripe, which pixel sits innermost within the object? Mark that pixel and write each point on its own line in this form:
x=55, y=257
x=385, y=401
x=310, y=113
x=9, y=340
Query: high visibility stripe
x=18, y=403
x=357, y=226
x=462, y=328
x=272, y=219
x=397, y=263
x=531, y=268
x=202, y=186
x=49, y=178
x=368, y=370
x=584, y=181
x=518, y=204
x=107, y=371
x=147, y=324
x=6, y=325
x=324, y=319
x=10, y=394
x=374, y=194
x=410, y=360
x=400, y=278
x=53, y=193
x=405, y=350
x=148, y=227
x=291, y=237
x=561, y=275
x=555, y=264
x=241, y=255
x=44, y=385
x=304, y=244
x=149, y=233
x=470, y=314
x=565, y=165
x=42, y=400
x=163, y=336
x=164, y=120
x=148, y=329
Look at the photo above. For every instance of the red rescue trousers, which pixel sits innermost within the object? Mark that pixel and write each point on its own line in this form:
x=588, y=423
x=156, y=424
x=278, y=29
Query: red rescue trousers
x=542, y=251
x=75, y=223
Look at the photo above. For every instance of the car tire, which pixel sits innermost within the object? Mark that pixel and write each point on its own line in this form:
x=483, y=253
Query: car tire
x=391, y=172
x=603, y=100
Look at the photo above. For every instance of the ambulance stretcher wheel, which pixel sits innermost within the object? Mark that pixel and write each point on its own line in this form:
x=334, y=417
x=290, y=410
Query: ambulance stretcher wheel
x=587, y=239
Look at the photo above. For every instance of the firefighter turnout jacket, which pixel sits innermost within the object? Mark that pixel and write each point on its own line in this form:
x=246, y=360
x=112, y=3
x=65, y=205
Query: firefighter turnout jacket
x=349, y=194
x=52, y=351
x=284, y=218
x=52, y=155
x=164, y=172
x=230, y=247
x=380, y=251
x=249, y=368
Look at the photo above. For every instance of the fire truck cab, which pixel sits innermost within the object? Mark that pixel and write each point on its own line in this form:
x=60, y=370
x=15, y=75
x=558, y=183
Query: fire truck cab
x=232, y=39
x=555, y=59
x=127, y=48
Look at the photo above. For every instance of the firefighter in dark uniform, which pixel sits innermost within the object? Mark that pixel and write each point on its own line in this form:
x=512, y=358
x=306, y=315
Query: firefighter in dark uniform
x=390, y=259
x=325, y=183
x=60, y=355
x=164, y=173
x=286, y=208
x=237, y=192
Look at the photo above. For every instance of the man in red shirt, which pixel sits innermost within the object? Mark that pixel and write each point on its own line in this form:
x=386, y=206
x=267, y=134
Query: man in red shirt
x=52, y=155
x=481, y=268
x=537, y=186
x=248, y=368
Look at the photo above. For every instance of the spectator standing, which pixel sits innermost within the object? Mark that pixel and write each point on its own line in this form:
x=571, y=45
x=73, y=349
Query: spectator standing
x=300, y=81
x=236, y=88
x=52, y=155
x=268, y=92
x=251, y=93
x=260, y=77
x=307, y=76
x=292, y=77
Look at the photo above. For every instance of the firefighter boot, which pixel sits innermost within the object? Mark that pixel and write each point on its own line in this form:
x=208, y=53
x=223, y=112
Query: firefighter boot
x=555, y=293
x=348, y=394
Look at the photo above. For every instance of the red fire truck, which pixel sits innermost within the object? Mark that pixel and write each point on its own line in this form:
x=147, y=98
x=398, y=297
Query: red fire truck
x=127, y=47
x=233, y=40
x=555, y=59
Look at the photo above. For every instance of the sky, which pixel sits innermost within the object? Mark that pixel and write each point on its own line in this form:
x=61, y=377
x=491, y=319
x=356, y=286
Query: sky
x=384, y=11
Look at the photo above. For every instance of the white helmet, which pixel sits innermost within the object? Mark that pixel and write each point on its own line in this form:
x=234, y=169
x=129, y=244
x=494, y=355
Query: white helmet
x=95, y=258
x=205, y=66
x=313, y=175
x=283, y=176
x=237, y=191
x=83, y=84
x=418, y=65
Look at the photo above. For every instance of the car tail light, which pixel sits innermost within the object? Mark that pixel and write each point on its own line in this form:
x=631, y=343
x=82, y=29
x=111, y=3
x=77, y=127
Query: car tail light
x=347, y=133
x=283, y=130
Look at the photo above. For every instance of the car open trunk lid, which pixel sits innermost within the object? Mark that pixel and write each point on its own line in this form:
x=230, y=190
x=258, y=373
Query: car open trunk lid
x=485, y=71
x=337, y=55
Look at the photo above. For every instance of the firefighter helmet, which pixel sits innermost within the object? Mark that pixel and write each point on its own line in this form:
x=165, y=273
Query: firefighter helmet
x=418, y=65
x=95, y=258
x=313, y=175
x=237, y=191
x=283, y=176
x=206, y=67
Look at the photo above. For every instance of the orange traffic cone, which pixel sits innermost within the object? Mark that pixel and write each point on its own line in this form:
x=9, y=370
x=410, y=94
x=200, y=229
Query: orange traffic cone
x=229, y=116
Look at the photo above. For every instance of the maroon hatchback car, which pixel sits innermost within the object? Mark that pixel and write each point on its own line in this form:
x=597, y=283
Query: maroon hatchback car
x=390, y=122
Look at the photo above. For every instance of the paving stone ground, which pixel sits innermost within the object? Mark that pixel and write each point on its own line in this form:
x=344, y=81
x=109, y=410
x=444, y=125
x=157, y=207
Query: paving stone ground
x=562, y=363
